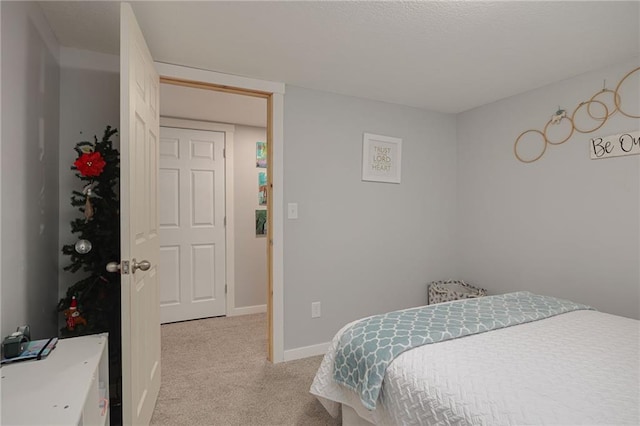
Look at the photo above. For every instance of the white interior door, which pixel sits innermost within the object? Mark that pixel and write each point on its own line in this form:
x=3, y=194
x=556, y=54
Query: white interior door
x=139, y=129
x=192, y=224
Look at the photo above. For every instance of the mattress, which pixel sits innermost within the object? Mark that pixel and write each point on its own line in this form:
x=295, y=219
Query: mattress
x=581, y=367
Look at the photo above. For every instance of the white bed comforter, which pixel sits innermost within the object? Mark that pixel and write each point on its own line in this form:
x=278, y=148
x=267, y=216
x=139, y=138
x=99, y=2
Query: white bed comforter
x=581, y=367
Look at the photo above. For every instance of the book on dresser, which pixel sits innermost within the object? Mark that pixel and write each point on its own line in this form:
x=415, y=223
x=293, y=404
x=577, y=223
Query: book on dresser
x=35, y=349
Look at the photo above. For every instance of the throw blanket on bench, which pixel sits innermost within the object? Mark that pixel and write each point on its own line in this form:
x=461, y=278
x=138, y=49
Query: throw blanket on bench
x=368, y=347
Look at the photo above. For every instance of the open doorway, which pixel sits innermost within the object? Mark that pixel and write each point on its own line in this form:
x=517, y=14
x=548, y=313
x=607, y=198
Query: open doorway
x=212, y=186
x=273, y=92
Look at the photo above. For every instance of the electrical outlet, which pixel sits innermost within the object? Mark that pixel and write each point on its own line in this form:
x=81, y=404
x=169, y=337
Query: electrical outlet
x=315, y=310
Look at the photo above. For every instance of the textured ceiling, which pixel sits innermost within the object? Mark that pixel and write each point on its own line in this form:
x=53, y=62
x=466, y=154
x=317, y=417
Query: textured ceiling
x=442, y=56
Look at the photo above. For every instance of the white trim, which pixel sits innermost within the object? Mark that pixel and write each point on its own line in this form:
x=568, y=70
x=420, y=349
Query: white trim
x=181, y=123
x=306, y=351
x=230, y=248
x=277, y=126
x=88, y=60
x=247, y=310
x=277, y=194
x=230, y=260
x=194, y=74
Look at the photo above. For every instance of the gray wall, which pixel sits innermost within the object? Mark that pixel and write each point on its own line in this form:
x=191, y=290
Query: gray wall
x=565, y=225
x=250, y=251
x=89, y=101
x=30, y=99
x=362, y=248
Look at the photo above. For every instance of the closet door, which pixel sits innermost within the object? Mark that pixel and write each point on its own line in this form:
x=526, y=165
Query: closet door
x=192, y=224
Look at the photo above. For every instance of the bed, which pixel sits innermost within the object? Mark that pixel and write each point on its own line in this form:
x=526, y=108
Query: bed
x=579, y=366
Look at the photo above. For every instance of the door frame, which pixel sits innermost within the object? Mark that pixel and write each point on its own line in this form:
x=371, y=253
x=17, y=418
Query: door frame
x=273, y=92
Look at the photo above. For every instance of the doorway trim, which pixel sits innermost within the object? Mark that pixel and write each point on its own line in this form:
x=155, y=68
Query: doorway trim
x=274, y=93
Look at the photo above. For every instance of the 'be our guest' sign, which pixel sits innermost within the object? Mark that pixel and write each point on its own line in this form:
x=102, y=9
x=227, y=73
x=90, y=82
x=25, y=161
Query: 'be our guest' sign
x=615, y=145
x=381, y=158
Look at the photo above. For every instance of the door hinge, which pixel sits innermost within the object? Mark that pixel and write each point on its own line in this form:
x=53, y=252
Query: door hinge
x=225, y=289
x=225, y=221
x=224, y=152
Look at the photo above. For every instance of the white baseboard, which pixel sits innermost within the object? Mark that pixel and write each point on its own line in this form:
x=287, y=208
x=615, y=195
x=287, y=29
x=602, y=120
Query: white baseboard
x=306, y=351
x=247, y=310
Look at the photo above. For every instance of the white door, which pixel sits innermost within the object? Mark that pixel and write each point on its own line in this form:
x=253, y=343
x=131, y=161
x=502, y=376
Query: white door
x=139, y=128
x=192, y=224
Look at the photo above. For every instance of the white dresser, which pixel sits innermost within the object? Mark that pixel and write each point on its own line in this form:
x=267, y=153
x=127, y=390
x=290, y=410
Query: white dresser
x=68, y=387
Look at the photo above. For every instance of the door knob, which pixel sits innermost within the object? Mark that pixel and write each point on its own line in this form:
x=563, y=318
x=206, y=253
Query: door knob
x=113, y=267
x=143, y=265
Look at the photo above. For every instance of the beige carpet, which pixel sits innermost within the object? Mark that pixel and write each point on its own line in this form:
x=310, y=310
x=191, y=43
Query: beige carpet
x=214, y=372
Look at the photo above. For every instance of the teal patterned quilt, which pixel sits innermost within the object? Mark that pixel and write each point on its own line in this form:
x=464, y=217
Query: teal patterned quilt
x=368, y=346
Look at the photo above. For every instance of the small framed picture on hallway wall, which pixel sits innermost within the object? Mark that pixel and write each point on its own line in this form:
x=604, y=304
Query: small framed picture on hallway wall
x=261, y=155
x=262, y=188
x=261, y=223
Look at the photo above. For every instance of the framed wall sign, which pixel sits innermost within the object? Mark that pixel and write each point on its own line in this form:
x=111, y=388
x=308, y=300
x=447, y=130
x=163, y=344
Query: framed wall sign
x=615, y=145
x=381, y=158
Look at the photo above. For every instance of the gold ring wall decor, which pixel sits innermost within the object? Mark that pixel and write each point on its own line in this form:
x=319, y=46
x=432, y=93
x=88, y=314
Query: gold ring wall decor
x=561, y=115
x=544, y=148
x=546, y=127
x=611, y=111
x=603, y=119
x=617, y=99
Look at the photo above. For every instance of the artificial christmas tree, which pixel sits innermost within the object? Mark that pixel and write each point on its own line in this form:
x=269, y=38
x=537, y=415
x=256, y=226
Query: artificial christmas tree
x=98, y=239
x=92, y=304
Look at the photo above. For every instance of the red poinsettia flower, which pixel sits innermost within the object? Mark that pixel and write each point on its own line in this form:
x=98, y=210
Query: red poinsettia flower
x=90, y=164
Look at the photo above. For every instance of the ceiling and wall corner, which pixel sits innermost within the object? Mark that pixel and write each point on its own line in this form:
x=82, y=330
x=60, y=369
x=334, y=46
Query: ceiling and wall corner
x=89, y=60
x=443, y=56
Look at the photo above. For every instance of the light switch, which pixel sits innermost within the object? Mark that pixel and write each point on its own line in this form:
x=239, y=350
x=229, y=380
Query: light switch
x=292, y=210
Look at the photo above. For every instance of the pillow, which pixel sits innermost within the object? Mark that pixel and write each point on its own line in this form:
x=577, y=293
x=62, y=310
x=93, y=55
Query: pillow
x=446, y=291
